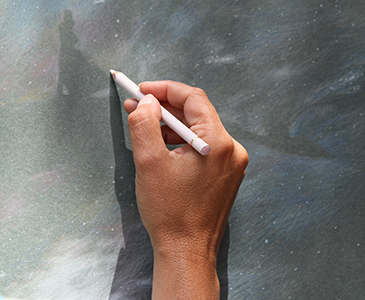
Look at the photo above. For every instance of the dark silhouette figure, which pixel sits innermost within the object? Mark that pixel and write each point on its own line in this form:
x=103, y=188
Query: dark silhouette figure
x=77, y=73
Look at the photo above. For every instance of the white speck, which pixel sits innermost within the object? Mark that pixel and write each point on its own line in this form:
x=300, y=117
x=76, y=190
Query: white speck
x=319, y=252
x=321, y=5
x=117, y=20
x=358, y=245
x=116, y=35
x=266, y=241
x=296, y=269
x=353, y=24
x=29, y=82
x=335, y=227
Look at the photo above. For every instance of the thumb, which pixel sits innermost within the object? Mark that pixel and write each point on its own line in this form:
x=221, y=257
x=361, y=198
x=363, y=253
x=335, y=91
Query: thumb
x=145, y=129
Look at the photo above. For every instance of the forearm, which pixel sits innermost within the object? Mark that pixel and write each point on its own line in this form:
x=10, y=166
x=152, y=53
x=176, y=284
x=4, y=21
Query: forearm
x=184, y=276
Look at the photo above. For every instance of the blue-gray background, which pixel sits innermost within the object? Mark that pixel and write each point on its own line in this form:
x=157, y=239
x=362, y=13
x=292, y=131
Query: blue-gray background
x=287, y=78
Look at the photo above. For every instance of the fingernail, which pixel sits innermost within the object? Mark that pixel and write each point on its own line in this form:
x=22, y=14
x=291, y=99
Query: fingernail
x=142, y=83
x=146, y=100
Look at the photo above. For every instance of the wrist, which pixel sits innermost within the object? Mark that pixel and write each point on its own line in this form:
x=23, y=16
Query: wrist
x=184, y=275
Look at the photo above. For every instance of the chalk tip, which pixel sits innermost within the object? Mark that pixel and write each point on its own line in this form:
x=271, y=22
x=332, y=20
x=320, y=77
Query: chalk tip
x=113, y=72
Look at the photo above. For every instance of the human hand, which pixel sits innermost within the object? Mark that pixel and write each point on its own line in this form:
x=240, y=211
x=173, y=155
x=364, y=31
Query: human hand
x=184, y=199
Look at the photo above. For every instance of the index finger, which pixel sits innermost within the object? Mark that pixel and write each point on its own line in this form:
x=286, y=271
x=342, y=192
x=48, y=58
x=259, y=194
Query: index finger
x=191, y=100
x=176, y=93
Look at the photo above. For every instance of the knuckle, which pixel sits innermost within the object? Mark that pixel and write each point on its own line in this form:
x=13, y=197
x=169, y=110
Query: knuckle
x=138, y=118
x=148, y=162
x=241, y=158
x=198, y=92
x=226, y=147
x=237, y=154
x=242, y=154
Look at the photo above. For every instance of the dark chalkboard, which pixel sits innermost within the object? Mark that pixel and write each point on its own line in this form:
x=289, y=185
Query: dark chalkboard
x=287, y=78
